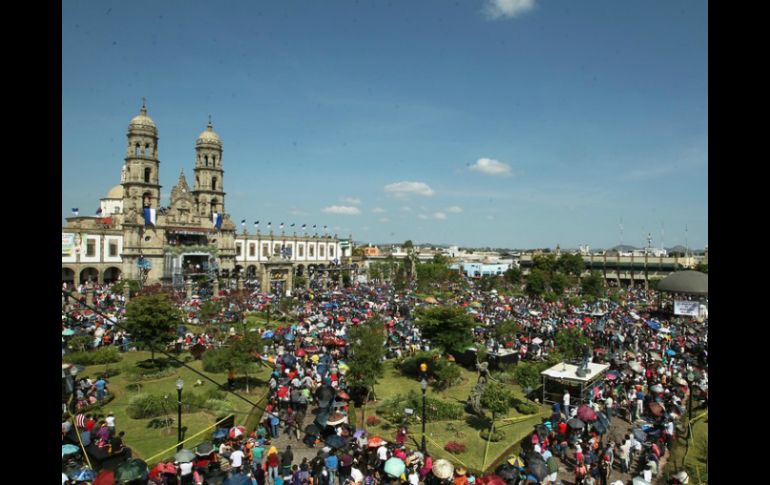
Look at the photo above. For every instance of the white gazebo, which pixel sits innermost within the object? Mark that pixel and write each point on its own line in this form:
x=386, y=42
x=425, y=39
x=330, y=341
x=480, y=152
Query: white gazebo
x=567, y=374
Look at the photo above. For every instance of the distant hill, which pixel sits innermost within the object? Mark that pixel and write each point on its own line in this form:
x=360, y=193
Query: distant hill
x=678, y=249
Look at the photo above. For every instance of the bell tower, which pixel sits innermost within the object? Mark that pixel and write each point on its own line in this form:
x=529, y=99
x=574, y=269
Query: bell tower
x=140, y=177
x=208, y=189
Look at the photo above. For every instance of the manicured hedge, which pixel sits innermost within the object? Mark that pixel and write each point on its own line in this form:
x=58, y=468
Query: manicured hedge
x=103, y=355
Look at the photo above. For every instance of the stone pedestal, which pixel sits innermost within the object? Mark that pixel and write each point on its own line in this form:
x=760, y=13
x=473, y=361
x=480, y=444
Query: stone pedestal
x=239, y=284
x=215, y=288
x=127, y=293
x=188, y=287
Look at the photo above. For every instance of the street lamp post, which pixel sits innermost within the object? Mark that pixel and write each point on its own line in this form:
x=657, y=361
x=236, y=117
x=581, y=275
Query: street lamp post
x=424, y=387
x=73, y=375
x=690, y=378
x=179, y=386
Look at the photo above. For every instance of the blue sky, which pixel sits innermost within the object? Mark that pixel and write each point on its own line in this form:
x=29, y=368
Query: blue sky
x=505, y=123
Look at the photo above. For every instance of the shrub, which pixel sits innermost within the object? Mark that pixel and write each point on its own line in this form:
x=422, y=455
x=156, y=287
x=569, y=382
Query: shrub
x=496, y=436
x=103, y=355
x=216, y=360
x=526, y=407
x=135, y=373
x=435, y=409
x=443, y=373
x=148, y=406
x=455, y=447
x=373, y=420
x=446, y=376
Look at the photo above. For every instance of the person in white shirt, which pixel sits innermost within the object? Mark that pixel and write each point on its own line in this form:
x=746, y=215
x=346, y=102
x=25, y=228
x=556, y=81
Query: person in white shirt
x=185, y=469
x=566, y=403
x=236, y=460
x=356, y=475
x=382, y=453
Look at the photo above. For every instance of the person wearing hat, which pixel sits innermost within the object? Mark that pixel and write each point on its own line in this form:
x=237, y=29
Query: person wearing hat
x=461, y=479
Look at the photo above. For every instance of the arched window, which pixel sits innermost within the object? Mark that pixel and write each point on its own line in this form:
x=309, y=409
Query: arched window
x=147, y=149
x=146, y=199
x=214, y=205
x=214, y=159
x=213, y=183
x=137, y=149
x=206, y=160
x=147, y=174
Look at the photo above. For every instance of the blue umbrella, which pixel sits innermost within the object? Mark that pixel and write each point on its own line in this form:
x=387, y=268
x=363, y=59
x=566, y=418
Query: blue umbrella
x=670, y=352
x=85, y=475
x=289, y=336
x=335, y=441
x=267, y=335
x=220, y=434
x=68, y=332
x=237, y=479
x=653, y=324
x=394, y=467
x=69, y=450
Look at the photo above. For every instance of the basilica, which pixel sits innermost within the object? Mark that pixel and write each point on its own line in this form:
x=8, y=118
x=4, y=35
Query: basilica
x=134, y=237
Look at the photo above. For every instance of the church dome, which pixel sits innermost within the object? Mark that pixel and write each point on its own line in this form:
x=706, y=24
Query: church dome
x=115, y=192
x=142, y=121
x=209, y=137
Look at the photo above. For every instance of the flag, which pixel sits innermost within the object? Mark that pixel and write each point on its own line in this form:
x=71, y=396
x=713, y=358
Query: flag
x=243, y=223
x=292, y=225
x=313, y=226
x=256, y=224
x=75, y=211
x=303, y=226
x=269, y=224
x=149, y=216
x=282, y=225
x=216, y=218
x=324, y=228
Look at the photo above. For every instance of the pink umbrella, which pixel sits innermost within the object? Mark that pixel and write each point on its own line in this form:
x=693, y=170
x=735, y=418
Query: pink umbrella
x=585, y=413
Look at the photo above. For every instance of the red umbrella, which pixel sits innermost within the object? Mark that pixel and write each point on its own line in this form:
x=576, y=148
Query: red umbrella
x=585, y=413
x=105, y=477
x=375, y=442
x=300, y=352
x=491, y=480
x=587, y=320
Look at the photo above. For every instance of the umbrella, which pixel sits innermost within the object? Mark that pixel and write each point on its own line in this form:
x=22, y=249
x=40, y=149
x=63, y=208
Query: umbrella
x=236, y=431
x=655, y=408
x=335, y=419
x=655, y=356
x=443, y=469
x=325, y=393
x=600, y=427
x=538, y=341
x=612, y=375
x=268, y=335
x=395, y=467
x=376, y=442
x=184, y=456
x=346, y=460
x=238, y=479
x=657, y=388
x=538, y=469
x=312, y=430
x=507, y=472
x=321, y=419
x=515, y=461
x=670, y=352
x=575, y=423
x=586, y=414
x=69, y=450
x=133, y=469
x=343, y=395
x=84, y=475
x=492, y=480
x=204, y=449
x=637, y=367
x=105, y=477
x=289, y=337
x=300, y=352
x=68, y=332
x=653, y=324
x=680, y=381
x=359, y=433
x=219, y=434
x=335, y=441
x=639, y=434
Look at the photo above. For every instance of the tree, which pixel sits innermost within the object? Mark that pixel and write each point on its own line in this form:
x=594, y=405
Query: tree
x=571, y=264
x=446, y=327
x=545, y=262
x=488, y=282
x=210, y=310
x=152, y=320
x=559, y=282
x=593, y=285
x=536, y=282
x=513, y=275
x=242, y=354
x=497, y=399
x=570, y=342
x=702, y=267
x=365, y=359
x=408, y=244
x=439, y=258
x=505, y=330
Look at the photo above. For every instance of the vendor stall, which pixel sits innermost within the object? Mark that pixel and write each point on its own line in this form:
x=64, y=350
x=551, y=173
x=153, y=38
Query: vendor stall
x=568, y=375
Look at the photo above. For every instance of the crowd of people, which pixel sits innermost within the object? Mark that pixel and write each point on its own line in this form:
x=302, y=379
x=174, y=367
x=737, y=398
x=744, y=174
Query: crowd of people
x=655, y=361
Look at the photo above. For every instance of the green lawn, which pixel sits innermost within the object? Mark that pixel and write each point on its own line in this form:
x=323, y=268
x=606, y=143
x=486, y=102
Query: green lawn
x=465, y=431
x=696, y=459
x=146, y=441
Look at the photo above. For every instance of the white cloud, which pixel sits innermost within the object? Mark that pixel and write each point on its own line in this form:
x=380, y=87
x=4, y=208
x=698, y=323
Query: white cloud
x=296, y=212
x=405, y=189
x=455, y=209
x=491, y=166
x=378, y=210
x=384, y=219
x=495, y=9
x=341, y=209
x=439, y=215
x=351, y=200
x=422, y=216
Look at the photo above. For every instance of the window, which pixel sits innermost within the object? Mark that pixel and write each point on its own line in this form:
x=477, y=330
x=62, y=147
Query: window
x=276, y=249
x=206, y=160
x=301, y=250
x=252, y=249
x=265, y=250
x=311, y=251
x=213, y=183
x=238, y=248
x=137, y=150
x=147, y=174
x=290, y=250
x=320, y=251
x=90, y=248
x=331, y=251
x=113, y=249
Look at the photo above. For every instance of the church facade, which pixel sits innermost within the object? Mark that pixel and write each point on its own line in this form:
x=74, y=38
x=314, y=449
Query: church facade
x=134, y=237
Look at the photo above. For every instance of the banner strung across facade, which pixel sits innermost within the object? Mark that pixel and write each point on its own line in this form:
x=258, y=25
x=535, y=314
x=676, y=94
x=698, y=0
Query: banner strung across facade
x=690, y=308
x=67, y=245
